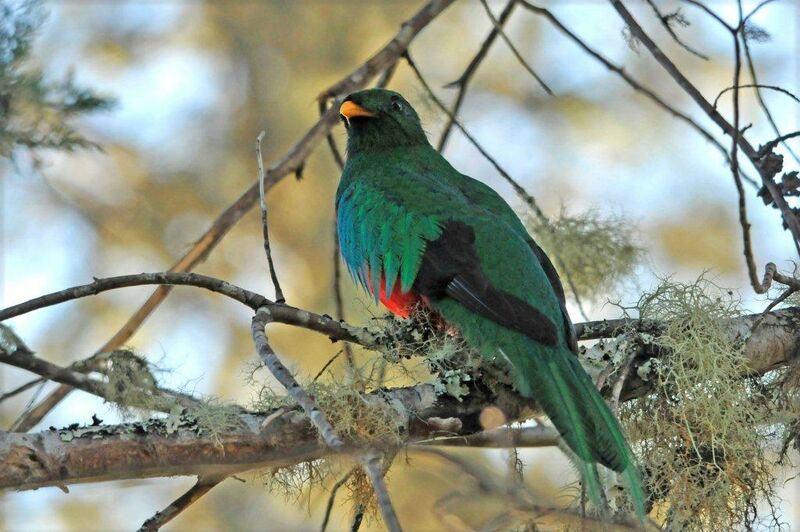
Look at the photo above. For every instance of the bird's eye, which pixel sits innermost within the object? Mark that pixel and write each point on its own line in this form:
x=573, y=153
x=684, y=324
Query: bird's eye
x=397, y=105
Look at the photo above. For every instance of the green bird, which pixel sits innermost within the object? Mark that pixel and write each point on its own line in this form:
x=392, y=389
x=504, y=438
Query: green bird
x=413, y=230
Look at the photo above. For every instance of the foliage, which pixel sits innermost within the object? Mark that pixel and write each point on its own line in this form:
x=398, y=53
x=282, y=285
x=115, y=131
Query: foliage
x=35, y=112
x=702, y=434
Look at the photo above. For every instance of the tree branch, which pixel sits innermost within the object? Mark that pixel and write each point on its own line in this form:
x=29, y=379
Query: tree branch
x=290, y=163
x=154, y=448
x=246, y=297
x=273, y=274
x=161, y=518
x=150, y=449
x=766, y=171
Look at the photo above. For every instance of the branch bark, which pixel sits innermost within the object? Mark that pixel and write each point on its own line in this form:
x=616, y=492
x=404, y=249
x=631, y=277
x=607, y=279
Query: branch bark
x=154, y=449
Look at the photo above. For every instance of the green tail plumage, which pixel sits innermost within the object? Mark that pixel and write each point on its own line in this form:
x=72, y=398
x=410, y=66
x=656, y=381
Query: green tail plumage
x=583, y=419
x=554, y=377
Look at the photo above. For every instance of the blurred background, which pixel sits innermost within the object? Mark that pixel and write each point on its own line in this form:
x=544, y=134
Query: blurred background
x=195, y=81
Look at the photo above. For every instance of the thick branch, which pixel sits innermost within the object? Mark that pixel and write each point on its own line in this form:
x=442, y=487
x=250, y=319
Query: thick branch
x=772, y=341
x=149, y=449
x=154, y=449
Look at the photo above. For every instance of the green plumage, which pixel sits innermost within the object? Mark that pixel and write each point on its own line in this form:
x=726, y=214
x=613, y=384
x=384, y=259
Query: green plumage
x=396, y=195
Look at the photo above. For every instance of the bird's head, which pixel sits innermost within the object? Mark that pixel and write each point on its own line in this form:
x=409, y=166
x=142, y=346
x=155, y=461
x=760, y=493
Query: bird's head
x=379, y=119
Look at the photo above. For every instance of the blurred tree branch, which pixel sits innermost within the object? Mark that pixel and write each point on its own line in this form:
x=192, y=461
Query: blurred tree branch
x=291, y=162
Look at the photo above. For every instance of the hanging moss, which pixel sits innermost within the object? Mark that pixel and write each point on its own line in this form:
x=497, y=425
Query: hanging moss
x=702, y=434
x=593, y=253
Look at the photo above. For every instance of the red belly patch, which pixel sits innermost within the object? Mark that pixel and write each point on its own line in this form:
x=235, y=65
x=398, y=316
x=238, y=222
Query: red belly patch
x=399, y=303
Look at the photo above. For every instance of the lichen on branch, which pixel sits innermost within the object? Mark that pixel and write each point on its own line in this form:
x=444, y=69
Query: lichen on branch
x=703, y=432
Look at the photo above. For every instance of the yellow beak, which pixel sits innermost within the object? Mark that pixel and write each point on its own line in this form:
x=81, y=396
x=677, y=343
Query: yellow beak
x=351, y=109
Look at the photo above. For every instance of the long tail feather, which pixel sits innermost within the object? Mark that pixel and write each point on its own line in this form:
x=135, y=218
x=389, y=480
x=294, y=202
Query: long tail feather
x=569, y=397
x=610, y=448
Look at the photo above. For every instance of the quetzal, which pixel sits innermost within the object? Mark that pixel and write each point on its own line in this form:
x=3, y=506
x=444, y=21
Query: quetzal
x=413, y=230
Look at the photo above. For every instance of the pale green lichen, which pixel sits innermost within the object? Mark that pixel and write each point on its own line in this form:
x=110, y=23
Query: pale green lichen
x=214, y=418
x=701, y=434
x=593, y=253
x=131, y=382
x=10, y=342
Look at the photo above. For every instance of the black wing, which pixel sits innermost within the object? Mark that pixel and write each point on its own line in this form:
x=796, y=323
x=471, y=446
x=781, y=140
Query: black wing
x=555, y=282
x=450, y=268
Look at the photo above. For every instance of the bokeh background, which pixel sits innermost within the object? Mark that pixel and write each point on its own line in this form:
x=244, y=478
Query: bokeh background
x=195, y=81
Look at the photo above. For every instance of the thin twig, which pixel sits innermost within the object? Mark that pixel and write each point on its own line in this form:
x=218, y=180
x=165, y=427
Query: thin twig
x=743, y=222
x=332, y=497
x=372, y=466
x=778, y=300
x=514, y=50
x=767, y=173
x=23, y=388
x=711, y=14
x=501, y=438
x=769, y=146
x=665, y=22
x=755, y=10
x=633, y=83
x=264, y=225
x=463, y=80
x=757, y=86
x=326, y=366
x=322, y=104
x=161, y=518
